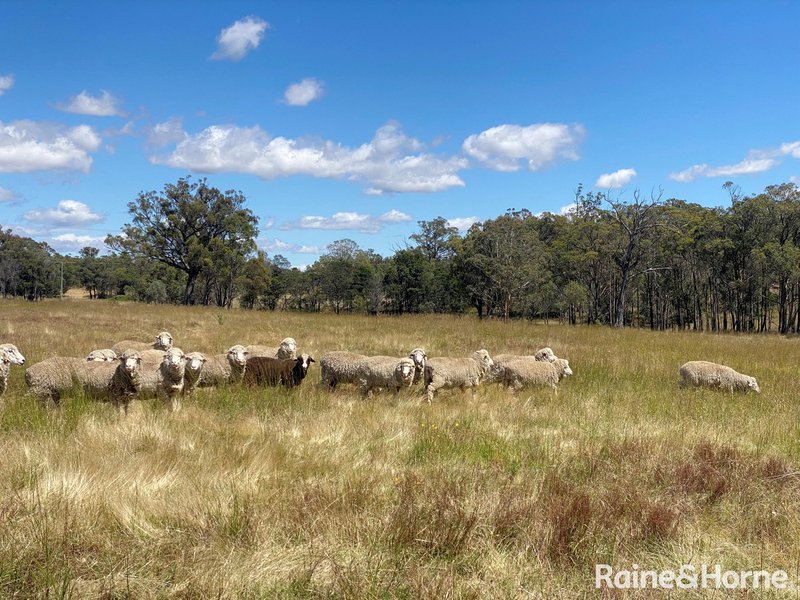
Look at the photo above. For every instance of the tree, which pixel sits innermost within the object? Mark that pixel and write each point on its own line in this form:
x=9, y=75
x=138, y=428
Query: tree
x=190, y=227
x=435, y=238
x=636, y=221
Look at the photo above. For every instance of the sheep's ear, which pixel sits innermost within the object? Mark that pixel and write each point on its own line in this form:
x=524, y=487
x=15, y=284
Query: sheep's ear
x=311, y=360
x=204, y=359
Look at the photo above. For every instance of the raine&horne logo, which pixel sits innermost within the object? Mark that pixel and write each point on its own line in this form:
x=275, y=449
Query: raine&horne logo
x=689, y=577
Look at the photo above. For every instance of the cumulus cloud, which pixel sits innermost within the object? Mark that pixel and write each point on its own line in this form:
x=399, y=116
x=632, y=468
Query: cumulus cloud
x=505, y=147
x=37, y=146
x=72, y=242
x=235, y=41
x=7, y=195
x=756, y=161
x=166, y=132
x=390, y=162
x=303, y=93
x=279, y=246
x=104, y=105
x=616, y=179
x=6, y=83
x=69, y=213
x=462, y=223
x=350, y=221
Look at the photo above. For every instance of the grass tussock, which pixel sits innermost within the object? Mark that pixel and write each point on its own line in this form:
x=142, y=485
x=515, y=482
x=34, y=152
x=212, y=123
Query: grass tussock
x=304, y=493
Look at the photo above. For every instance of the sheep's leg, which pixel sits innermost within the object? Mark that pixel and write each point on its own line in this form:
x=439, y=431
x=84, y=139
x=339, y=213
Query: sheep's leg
x=430, y=391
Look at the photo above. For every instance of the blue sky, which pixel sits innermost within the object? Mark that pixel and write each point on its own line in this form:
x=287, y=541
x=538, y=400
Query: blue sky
x=357, y=119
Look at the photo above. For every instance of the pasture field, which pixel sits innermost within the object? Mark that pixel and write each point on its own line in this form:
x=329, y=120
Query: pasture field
x=311, y=494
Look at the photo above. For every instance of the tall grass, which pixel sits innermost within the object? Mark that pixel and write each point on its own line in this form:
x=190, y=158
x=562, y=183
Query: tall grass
x=307, y=494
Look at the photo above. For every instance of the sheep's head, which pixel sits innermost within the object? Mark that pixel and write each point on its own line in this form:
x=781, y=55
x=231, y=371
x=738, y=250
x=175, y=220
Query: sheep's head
x=195, y=361
x=102, y=356
x=304, y=361
x=419, y=357
x=753, y=385
x=237, y=355
x=12, y=352
x=483, y=358
x=563, y=365
x=163, y=341
x=174, y=359
x=404, y=371
x=131, y=361
x=545, y=355
x=287, y=349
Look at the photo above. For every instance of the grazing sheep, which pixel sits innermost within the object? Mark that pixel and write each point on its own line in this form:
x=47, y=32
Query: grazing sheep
x=445, y=372
x=119, y=381
x=194, y=368
x=525, y=371
x=223, y=369
x=699, y=373
x=496, y=373
x=339, y=367
x=287, y=349
x=385, y=372
x=267, y=370
x=104, y=355
x=14, y=355
x=163, y=341
x=164, y=379
x=5, y=364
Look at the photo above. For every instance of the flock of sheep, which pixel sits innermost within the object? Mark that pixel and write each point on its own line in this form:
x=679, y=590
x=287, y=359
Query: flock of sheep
x=132, y=369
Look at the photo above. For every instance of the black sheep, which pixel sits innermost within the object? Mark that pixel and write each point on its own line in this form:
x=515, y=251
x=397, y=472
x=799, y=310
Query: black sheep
x=289, y=372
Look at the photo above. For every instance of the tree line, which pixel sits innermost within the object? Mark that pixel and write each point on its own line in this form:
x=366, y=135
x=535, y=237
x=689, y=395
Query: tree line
x=644, y=262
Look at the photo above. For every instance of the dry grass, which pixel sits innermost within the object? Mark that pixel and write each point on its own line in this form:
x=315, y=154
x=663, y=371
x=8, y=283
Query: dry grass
x=308, y=494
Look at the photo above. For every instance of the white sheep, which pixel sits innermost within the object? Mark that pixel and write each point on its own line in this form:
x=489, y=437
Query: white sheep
x=340, y=366
x=222, y=369
x=541, y=355
x=385, y=372
x=119, y=381
x=102, y=355
x=5, y=364
x=447, y=372
x=163, y=341
x=163, y=379
x=14, y=355
x=195, y=362
x=699, y=373
x=526, y=371
x=287, y=349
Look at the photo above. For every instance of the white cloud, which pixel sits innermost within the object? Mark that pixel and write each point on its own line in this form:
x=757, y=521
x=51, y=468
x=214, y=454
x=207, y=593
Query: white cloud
x=104, y=105
x=349, y=221
x=390, y=162
x=72, y=242
x=37, y=146
x=502, y=148
x=756, y=161
x=166, y=132
x=616, y=179
x=235, y=41
x=6, y=83
x=279, y=246
x=303, y=93
x=462, y=223
x=745, y=167
x=7, y=195
x=67, y=213
x=568, y=209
